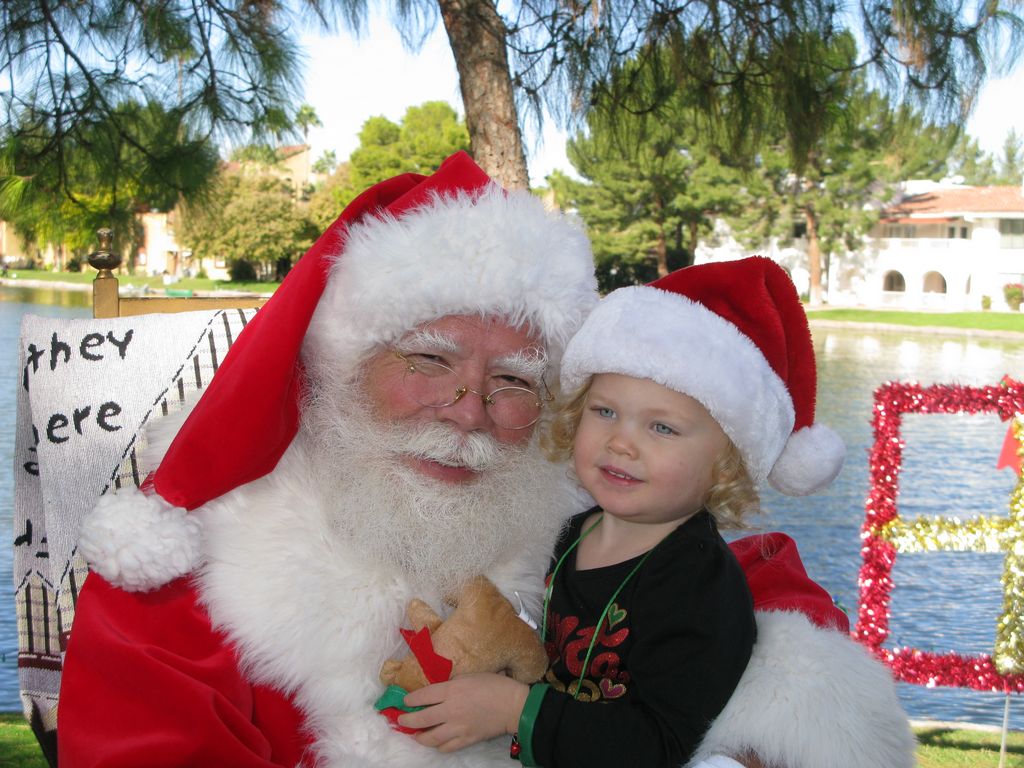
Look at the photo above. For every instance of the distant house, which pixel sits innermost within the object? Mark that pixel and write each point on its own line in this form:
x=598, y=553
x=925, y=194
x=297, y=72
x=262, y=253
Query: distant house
x=160, y=253
x=292, y=166
x=938, y=246
x=298, y=167
x=13, y=252
x=16, y=252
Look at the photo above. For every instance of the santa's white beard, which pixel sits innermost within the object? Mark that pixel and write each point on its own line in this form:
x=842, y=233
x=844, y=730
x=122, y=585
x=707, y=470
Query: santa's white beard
x=438, y=534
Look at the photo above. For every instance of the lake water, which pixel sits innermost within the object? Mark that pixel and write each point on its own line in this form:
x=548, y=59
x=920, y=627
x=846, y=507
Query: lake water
x=942, y=602
x=15, y=302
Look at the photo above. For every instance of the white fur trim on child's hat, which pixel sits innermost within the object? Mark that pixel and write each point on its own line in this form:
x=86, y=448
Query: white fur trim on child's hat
x=653, y=334
x=733, y=336
x=810, y=461
x=138, y=541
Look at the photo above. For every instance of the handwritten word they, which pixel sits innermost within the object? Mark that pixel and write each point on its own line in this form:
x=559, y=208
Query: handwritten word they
x=93, y=347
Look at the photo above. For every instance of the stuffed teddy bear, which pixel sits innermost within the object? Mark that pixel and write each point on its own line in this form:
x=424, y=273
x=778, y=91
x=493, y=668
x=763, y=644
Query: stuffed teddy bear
x=483, y=634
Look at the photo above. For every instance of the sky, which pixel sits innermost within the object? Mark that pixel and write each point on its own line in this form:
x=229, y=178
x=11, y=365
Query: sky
x=349, y=80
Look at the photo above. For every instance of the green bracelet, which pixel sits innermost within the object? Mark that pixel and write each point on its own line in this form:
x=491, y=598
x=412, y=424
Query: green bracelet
x=526, y=720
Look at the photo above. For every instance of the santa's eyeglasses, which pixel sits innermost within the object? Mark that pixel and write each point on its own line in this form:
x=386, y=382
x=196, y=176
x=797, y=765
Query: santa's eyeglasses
x=433, y=384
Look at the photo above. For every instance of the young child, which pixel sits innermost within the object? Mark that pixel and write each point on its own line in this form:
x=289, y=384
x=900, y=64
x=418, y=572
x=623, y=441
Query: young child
x=685, y=394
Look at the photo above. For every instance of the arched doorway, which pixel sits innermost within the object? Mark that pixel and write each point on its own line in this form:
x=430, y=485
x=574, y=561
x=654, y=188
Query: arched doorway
x=893, y=281
x=934, y=283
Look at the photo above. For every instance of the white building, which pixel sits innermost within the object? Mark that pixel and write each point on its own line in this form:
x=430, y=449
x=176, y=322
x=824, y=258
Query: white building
x=941, y=246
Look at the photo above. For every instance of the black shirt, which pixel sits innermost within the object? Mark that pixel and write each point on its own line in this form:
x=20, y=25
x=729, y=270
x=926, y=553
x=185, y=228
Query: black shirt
x=669, y=654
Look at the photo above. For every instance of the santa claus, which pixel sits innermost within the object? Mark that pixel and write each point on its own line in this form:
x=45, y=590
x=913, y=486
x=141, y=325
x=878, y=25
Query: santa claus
x=243, y=603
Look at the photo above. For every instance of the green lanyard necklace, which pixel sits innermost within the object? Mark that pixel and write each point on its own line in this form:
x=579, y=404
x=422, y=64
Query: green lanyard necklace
x=604, y=613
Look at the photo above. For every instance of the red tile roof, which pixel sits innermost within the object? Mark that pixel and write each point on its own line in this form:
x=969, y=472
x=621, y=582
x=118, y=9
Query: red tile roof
x=290, y=150
x=959, y=200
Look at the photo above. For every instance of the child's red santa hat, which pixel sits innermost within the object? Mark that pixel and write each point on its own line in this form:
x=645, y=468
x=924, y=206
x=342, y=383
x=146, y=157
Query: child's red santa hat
x=733, y=336
x=409, y=250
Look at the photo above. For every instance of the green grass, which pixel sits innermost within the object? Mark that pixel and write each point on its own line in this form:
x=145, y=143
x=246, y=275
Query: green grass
x=18, y=747
x=190, y=283
x=938, y=747
x=986, y=321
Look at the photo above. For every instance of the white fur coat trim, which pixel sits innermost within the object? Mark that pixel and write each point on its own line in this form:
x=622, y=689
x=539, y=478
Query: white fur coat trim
x=496, y=253
x=812, y=698
x=312, y=617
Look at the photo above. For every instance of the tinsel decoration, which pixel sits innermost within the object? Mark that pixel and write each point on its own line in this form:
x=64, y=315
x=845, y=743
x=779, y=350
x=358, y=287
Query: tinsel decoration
x=884, y=535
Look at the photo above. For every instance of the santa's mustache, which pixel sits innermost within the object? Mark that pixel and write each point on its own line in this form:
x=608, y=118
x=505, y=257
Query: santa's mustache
x=443, y=444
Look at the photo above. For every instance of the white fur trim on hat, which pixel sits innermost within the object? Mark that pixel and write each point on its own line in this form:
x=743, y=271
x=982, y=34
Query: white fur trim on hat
x=494, y=253
x=812, y=697
x=140, y=542
x=810, y=461
x=653, y=334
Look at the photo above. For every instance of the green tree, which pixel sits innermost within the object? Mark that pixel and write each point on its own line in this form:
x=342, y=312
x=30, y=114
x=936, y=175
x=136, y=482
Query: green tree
x=260, y=155
x=426, y=136
x=306, y=118
x=325, y=204
x=832, y=198
x=218, y=70
x=979, y=168
x=103, y=179
x=248, y=219
x=650, y=189
x=970, y=162
x=1011, y=163
x=326, y=163
x=232, y=64
x=745, y=59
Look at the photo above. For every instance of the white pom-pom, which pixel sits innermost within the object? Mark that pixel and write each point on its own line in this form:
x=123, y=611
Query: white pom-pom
x=810, y=461
x=140, y=542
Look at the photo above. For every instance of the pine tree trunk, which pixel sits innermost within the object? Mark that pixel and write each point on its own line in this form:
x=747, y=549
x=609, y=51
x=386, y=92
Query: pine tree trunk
x=813, y=258
x=694, y=240
x=477, y=36
x=660, y=243
x=662, y=252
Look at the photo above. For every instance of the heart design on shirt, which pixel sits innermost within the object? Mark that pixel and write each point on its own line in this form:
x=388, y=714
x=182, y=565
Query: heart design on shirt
x=616, y=615
x=612, y=690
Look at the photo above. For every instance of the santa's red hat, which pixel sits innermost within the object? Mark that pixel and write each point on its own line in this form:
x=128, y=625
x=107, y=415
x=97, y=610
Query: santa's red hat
x=733, y=336
x=407, y=251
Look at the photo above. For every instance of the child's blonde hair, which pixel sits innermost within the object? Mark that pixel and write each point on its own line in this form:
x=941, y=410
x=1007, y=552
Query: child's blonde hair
x=733, y=496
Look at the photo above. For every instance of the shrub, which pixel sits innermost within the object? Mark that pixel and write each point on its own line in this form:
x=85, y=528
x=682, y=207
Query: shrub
x=1014, y=294
x=986, y=303
x=242, y=271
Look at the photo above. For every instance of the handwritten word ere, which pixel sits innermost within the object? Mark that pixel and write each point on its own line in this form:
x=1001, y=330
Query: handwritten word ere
x=59, y=422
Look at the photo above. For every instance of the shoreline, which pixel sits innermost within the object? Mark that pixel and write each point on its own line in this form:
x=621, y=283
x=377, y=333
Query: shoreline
x=930, y=329
x=17, y=282
x=125, y=291
x=812, y=322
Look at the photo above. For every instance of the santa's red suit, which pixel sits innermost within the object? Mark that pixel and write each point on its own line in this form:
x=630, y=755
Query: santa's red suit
x=231, y=622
